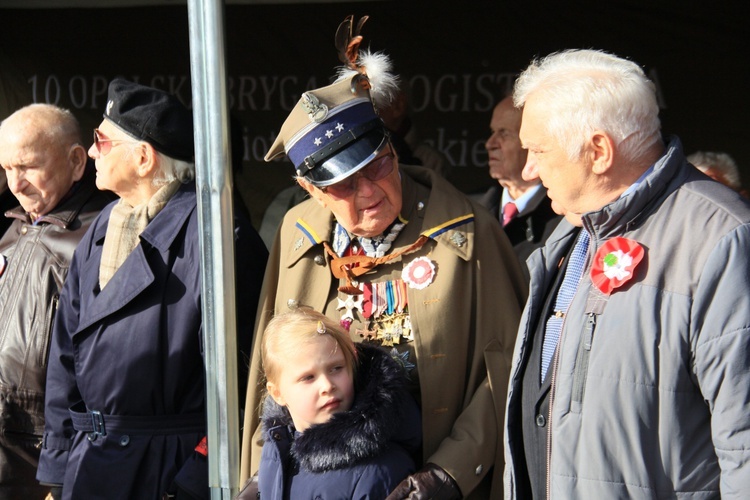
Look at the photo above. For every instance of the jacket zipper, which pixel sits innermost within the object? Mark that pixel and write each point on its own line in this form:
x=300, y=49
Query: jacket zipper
x=554, y=366
x=549, y=410
x=47, y=332
x=582, y=359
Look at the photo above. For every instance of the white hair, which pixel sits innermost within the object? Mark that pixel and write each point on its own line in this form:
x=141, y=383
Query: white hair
x=173, y=169
x=722, y=162
x=170, y=169
x=52, y=123
x=587, y=90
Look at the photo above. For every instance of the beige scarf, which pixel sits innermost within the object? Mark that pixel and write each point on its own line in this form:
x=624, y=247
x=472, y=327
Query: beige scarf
x=126, y=223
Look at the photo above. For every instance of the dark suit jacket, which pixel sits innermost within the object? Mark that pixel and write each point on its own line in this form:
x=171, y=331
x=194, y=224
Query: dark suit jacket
x=529, y=231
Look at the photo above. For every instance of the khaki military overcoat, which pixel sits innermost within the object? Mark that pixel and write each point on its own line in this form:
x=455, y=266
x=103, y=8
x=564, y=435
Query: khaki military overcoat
x=464, y=322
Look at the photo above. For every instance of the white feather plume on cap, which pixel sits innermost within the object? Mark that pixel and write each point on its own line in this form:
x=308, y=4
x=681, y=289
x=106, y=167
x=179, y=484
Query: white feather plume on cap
x=376, y=67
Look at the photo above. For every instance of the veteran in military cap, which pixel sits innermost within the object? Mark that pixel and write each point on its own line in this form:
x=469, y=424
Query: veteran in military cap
x=404, y=261
x=125, y=412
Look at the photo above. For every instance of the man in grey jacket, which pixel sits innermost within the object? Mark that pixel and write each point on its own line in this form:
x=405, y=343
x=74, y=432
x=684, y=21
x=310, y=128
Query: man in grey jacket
x=630, y=376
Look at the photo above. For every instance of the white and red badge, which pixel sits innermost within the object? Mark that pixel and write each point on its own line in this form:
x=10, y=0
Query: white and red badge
x=614, y=263
x=419, y=273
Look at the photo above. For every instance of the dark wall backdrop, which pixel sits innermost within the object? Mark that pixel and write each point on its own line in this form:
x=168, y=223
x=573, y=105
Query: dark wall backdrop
x=459, y=57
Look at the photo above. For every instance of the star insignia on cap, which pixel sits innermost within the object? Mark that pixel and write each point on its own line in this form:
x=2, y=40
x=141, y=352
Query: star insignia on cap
x=318, y=141
x=339, y=127
x=329, y=133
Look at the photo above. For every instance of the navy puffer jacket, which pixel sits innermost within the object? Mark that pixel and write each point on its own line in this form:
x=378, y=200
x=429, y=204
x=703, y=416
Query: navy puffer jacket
x=362, y=453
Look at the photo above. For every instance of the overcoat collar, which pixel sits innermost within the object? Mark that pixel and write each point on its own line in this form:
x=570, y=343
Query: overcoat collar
x=162, y=231
x=159, y=234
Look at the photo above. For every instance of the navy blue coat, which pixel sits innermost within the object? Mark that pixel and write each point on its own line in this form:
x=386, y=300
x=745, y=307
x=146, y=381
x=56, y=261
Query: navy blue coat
x=359, y=454
x=133, y=352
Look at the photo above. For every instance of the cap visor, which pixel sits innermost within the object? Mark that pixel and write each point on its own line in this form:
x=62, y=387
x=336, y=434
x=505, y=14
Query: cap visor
x=349, y=160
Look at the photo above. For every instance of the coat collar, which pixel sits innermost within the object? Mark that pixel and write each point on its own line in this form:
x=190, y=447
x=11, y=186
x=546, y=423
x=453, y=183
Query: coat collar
x=162, y=231
x=160, y=234
x=615, y=218
x=423, y=191
x=628, y=211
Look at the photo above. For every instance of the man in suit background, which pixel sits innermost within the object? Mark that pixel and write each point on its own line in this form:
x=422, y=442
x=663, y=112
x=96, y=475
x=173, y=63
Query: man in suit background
x=521, y=205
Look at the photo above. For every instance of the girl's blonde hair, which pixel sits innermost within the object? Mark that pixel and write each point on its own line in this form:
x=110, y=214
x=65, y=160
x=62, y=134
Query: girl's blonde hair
x=290, y=331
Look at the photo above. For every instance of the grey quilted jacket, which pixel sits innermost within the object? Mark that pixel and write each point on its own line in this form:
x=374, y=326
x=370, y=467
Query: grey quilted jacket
x=652, y=386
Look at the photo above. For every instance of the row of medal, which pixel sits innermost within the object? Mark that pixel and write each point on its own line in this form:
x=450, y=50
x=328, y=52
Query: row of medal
x=384, y=305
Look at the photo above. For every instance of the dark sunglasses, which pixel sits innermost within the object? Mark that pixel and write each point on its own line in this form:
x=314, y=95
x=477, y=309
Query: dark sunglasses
x=104, y=144
x=378, y=169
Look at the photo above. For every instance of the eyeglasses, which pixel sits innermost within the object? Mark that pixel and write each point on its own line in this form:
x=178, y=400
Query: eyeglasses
x=378, y=169
x=103, y=144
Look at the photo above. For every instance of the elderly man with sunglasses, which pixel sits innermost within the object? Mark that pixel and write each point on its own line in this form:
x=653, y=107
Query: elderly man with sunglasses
x=125, y=412
x=403, y=261
x=43, y=157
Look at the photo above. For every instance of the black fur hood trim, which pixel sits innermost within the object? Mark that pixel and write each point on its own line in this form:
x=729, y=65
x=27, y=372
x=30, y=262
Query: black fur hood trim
x=377, y=417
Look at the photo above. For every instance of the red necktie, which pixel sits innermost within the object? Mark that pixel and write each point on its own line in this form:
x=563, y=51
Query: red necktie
x=509, y=212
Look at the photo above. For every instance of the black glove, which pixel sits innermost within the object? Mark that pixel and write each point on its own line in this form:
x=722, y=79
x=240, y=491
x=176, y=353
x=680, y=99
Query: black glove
x=250, y=490
x=431, y=482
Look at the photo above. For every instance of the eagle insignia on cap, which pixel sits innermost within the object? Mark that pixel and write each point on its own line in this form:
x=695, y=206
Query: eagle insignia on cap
x=314, y=109
x=110, y=103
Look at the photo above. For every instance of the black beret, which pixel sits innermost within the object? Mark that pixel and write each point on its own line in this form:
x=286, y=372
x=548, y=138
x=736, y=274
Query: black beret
x=153, y=116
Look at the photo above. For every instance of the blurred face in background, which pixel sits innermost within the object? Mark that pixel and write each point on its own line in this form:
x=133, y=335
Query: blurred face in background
x=506, y=156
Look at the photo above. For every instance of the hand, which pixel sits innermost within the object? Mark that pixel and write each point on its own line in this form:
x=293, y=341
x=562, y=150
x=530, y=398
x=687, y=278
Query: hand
x=431, y=482
x=55, y=493
x=250, y=490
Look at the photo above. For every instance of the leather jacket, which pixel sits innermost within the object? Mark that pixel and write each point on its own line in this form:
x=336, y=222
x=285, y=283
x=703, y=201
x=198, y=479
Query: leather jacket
x=36, y=258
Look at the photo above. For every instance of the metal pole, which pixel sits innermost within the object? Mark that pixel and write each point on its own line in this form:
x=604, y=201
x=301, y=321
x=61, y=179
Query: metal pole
x=213, y=184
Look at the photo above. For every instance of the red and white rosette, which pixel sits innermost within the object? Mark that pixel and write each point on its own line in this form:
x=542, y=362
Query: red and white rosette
x=614, y=263
x=419, y=273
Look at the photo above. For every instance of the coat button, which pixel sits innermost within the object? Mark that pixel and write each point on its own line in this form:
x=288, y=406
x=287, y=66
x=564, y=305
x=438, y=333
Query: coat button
x=276, y=436
x=125, y=440
x=540, y=420
x=478, y=470
x=92, y=436
x=24, y=230
x=292, y=303
x=319, y=260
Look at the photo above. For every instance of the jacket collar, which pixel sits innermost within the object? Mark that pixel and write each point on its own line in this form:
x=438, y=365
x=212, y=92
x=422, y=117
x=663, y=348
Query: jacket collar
x=615, y=218
x=628, y=211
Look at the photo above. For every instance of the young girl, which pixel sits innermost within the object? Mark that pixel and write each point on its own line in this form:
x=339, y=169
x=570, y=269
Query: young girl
x=337, y=421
